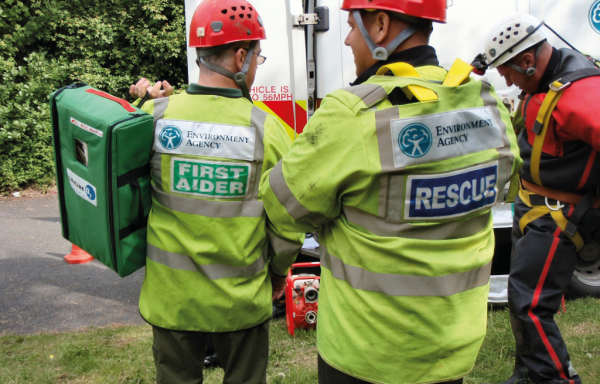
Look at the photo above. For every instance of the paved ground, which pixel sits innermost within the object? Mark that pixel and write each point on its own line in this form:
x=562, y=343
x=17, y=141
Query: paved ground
x=39, y=292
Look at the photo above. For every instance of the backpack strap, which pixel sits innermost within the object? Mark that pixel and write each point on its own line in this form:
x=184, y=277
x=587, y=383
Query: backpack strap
x=459, y=72
x=406, y=70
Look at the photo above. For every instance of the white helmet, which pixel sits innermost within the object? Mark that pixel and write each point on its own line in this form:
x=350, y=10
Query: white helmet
x=511, y=36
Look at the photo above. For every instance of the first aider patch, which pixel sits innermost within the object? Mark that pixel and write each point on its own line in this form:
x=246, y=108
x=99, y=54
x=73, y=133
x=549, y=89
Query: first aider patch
x=209, y=178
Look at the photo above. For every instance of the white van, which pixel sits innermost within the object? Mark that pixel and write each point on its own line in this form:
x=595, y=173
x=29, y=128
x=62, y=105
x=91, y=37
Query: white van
x=307, y=59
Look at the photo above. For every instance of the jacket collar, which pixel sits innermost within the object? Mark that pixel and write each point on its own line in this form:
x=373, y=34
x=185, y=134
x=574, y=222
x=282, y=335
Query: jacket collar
x=197, y=89
x=416, y=56
x=561, y=62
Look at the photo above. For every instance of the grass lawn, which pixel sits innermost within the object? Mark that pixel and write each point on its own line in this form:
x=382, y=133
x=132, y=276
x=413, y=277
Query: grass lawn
x=123, y=354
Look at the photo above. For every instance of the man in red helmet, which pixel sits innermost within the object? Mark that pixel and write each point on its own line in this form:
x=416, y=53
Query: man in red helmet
x=399, y=173
x=214, y=261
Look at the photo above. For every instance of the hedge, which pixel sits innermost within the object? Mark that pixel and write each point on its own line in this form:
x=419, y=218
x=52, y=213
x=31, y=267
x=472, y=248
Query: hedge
x=48, y=44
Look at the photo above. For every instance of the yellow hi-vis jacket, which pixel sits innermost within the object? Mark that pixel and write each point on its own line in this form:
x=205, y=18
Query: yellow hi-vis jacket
x=402, y=196
x=210, y=243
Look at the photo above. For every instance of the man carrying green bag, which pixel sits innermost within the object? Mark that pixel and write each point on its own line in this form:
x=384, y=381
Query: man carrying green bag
x=212, y=253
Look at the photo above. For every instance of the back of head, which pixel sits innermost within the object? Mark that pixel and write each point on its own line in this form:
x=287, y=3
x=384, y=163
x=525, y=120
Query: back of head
x=218, y=25
x=418, y=14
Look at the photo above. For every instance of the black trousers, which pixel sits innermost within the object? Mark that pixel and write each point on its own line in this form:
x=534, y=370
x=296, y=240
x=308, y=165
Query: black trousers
x=330, y=375
x=179, y=356
x=543, y=261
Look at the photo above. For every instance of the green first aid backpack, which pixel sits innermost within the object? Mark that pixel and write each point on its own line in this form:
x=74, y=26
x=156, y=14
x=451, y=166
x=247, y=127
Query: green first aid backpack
x=102, y=151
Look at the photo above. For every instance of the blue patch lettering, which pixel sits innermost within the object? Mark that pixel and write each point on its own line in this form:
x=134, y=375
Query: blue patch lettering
x=452, y=194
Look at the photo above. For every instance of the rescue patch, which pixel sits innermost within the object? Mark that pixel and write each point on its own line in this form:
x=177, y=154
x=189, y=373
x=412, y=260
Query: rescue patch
x=204, y=139
x=209, y=178
x=87, y=128
x=82, y=188
x=426, y=139
x=453, y=194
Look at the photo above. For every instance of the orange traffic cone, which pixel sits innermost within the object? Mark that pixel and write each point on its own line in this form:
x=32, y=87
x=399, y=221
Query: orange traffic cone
x=78, y=256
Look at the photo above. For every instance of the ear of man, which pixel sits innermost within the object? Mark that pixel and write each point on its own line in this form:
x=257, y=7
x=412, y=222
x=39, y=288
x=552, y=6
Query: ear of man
x=385, y=22
x=228, y=58
x=527, y=59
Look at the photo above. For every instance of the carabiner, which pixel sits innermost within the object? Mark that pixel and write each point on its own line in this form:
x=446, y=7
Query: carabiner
x=558, y=205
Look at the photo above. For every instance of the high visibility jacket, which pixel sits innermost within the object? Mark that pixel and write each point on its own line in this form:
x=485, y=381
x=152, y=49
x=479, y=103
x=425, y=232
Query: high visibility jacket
x=402, y=197
x=209, y=241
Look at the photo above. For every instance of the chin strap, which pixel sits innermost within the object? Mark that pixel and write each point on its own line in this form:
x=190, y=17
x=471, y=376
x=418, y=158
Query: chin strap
x=381, y=53
x=528, y=71
x=240, y=77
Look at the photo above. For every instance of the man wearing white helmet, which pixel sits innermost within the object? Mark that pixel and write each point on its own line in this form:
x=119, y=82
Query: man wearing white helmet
x=556, y=216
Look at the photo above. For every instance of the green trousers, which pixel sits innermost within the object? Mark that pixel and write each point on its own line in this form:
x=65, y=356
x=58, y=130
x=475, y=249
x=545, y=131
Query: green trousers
x=179, y=356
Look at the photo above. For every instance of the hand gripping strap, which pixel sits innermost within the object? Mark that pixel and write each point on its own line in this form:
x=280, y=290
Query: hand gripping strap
x=406, y=70
x=541, y=126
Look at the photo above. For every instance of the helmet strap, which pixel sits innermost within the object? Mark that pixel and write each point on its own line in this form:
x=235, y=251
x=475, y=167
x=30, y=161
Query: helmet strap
x=381, y=53
x=529, y=71
x=240, y=77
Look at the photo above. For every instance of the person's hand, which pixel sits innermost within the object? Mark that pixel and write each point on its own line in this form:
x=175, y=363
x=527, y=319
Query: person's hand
x=278, y=283
x=139, y=89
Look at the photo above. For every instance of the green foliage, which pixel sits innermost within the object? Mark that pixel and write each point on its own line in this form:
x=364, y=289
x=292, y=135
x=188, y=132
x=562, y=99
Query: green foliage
x=47, y=44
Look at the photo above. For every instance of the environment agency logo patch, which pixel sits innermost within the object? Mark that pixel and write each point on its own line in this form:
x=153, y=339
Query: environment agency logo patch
x=415, y=140
x=170, y=137
x=595, y=16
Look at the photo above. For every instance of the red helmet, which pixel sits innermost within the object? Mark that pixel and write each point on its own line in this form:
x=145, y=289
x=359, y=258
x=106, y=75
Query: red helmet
x=219, y=22
x=434, y=10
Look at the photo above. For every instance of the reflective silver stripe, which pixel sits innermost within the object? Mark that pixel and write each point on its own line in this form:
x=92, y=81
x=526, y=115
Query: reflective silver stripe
x=212, y=271
x=504, y=167
x=224, y=209
x=384, y=181
x=160, y=106
x=369, y=93
x=287, y=198
x=282, y=246
x=156, y=164
x=257, y=120
x=442, y=231
x=384, y=133
x=253, y=186
x=395, y=198
x=405, y=285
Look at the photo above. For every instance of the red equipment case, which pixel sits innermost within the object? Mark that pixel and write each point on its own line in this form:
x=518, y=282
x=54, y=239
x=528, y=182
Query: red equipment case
x=301, y=298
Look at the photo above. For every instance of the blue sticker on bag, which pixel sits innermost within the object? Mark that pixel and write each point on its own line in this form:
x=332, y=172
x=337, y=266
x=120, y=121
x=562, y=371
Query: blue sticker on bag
x=453, y=194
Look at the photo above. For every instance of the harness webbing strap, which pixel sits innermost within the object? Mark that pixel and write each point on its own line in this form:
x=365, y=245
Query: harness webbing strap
x=459, y=72
x=406, y=70
x=580, y=210
x=533, y=214
x=555, y=212
x=556, y=194
x=541, y=127
x=562, y=222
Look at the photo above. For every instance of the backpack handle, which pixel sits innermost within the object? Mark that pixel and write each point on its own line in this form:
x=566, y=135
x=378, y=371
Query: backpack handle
x=123, y=103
